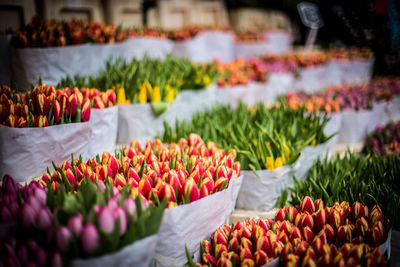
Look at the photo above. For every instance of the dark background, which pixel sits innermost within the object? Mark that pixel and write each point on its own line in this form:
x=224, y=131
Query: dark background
x=362, y=23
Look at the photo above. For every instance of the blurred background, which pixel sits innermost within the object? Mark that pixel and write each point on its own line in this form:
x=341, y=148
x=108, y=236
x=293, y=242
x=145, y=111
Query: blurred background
x=362, y=23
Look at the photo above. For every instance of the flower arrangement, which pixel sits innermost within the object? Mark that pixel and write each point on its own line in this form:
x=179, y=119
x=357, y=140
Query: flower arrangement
x=384, y=140
x=309, y=235
x=180, y=172
x=265, y=138
x=43, y=106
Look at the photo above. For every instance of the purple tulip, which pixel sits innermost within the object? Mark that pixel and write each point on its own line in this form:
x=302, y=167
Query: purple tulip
x=6, y=215
x=8, y=184
x=56, y=260
x=40, y=195
x=75, y=224
x=106, y=220
x=89, y=238
x=63, y=238
x=11, y=260
x=34, y=203
x=130, y=207
x=32, y=244
x=31, y=264
x=22, y=254
x=28, y=215
x=44, y=218
x=13, y=208
x=120, y=214
x=40, y=256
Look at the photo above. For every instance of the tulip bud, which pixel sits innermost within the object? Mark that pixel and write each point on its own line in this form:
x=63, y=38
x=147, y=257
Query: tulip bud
x=357, y=211
x=57, y=111
x=281, y=214
x=28, y=215
x=307, y=205
x=42, y=104
x=308, y=262
x=319, y=204
x=63, y=237
x=167, y=192
x=219, y=249
x=248, y=263
x=245, y=253
x=190, y=189
x=335, y=219
x=219, y=183
x=308, y=234
x=106, y=220
x=301, y=248
x=90, y=239
x=44, y=218
x=219, y=237
x=292, y=260
x=292, y=214
x=71, y=178
x=120, y=214
x=320, y=219
x=85, y=111
x=22, y=254
x=209, y=260
x=307, y=221
x=75, y=224
x=224, y=262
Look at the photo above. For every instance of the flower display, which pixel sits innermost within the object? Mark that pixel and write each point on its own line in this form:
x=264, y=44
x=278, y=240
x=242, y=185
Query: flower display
x=54, y=33
x=371, y=180
x=54, y=227
x=42, y=106
x=249, y=37
x=265, y=138
x=309, y=235
x=146, y=80
x=384, y=140
x=181, y=172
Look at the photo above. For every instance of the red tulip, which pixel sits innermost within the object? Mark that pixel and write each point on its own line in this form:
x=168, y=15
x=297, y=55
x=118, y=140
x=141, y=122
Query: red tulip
x=307, y=221
x=308, y=234
x=357, y=211
x=85, y=111
x=219, y=183
x=307, y=205
x=42, y=104
x=167, y=192
x=281, y=214
x=319, y=204
x=57, y=111
x=245, y=253
x=42, y=121
x=191, y=190
x=335, y=219
x=320, y=219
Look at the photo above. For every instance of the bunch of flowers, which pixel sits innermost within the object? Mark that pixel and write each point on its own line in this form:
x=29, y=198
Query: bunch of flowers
x=384, y=140
x=265, y=138
x=58, y=226
x=179, y=172
x=146, y=80
x=345, y=97
x=43, y=106
x=336, y=53
x=249, y=37
x=55, y=33
x=310, y=235
x=147, y=32
x=190, y=32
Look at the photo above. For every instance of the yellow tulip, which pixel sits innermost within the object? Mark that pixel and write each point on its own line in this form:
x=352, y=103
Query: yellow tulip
x=314, y=142
x=269, y=163
x=170, y=93
x=121, y=98
x=206, y=80
x=156, y=95
x=278, y=162
x=143, y=94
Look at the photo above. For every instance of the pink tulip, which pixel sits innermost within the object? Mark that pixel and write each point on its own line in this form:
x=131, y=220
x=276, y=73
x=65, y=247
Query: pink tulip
x=130, y=207
x=106, y=220
x=40, y=256
x=63, y=237
x=120, y=214
x=8, y=184
x=40, y=195
x=22, y=254
x=56, y=260
x=75, y=224
x=5, y=214
x=89, y=238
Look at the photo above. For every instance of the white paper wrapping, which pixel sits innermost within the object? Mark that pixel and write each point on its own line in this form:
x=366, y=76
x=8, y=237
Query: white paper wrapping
x=278, y=83
x=249, y=94
x=361, y=70
x=333, y=126
x=52, y=64
x=137, y=254
x=26, y=152
x=279, y=42
x=137, y=121
x=311, y=79
x=188, y=225
x=385, y=247
x=274, y=263
x=262, y=193
x=357, y=124
x=104, y=124
x=236, y=184
x=191, y=101
x=252, y=50
x=308, y=156
x=5, y=66
x=206, y=46
x=395, y=108
x=138, y=47
x=336, y=72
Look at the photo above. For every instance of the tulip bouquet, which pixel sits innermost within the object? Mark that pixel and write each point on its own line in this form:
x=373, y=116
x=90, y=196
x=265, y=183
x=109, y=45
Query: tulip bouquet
x=43, y=106
x=249, y=37
x=190, y=32
x=180, y=172
x=55, y=33
x=371, y=180
x=96, y=220
x=147, y=80
x=335, y=53
x=98, y=99
x=147, y=32
x=265, y=138
x=384, y=140
x=310, y=235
